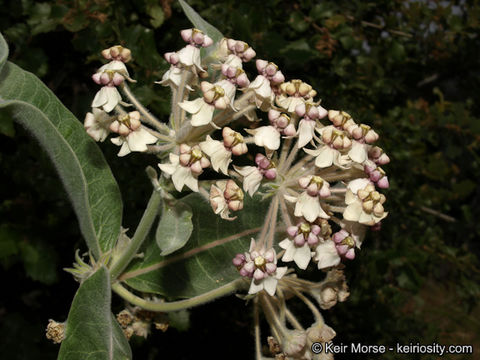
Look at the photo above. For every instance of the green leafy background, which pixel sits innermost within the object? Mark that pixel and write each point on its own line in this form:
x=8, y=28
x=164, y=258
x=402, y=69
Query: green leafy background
x=408, y=68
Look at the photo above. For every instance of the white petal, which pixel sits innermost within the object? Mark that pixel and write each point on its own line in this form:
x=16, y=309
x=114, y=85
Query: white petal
x=100, y=98
x=290, y=250
x=267, y=136
x=124, y=150
x=270, y=285
x=179, y=176
x=113, y=97
x=358, y=184
x=138, y=140
x=353, y=211
x=251, y=182
x=204, y=116
x=193, y=106
x=280, y=272
x=358, y=152
x=302, y=256
x=262, y=88
x=256, y=287
x=327, y=255
x=306, y=128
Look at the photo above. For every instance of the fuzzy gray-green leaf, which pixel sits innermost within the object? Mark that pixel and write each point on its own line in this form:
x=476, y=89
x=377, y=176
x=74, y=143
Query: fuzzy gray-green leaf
x=174, y=228
x=79, y=162
x=92, y=332
x=205, y=262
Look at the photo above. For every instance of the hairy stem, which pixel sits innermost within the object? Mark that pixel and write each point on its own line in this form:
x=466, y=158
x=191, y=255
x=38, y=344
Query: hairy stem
x=162, y=306
x=147, y=116
x=256, y=319
x=119, y=264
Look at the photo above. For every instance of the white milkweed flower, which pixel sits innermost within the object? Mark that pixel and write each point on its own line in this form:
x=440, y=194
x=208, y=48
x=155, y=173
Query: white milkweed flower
x=261, y=266
x=133, y=137
x=97, y=124
x=364, y=203
x=293, y=93
x=226, y=196
x=334, y=141
x=185, y=168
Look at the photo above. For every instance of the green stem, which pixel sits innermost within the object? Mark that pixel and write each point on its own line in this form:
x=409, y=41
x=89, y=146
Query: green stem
x=141, y=233
x=181, y=304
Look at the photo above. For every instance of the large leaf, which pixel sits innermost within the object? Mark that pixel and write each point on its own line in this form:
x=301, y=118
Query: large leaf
x=174, y=228
x=205, y=263
x=200, y=23
x=85, y=174
x=3, y=51
x=91, y=332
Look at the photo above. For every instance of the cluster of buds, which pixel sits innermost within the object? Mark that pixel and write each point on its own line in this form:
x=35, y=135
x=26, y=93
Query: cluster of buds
x=282, y=122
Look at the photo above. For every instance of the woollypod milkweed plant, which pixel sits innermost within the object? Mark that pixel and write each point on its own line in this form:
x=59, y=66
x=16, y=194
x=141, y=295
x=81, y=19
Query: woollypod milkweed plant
x=252, y=179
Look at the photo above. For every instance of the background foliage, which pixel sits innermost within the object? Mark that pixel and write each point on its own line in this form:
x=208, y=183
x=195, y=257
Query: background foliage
x=408, y=68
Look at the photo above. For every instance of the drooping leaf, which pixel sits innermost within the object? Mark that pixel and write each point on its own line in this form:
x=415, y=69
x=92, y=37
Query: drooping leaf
x=205, y=263
x=84, y=172
x=200, y=23
x=174, y=228
x=92, y=332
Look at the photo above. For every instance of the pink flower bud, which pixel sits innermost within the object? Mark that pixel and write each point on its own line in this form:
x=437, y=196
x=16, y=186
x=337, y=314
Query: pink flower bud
x=117, y=79
x=249, y=267
x=383, y=159
x=242, y=80
x=123, y=130
x=383, y=183
x=304, y=181
x=258, y=274
x=204, y=162
x=198, y=37
x=322, y=112
x=375, y=175
x=235, y=205
x=207, y=41
x=350, y=255
x=231, y=44
x=313, y=112
x=270, y=255
x=96, y=78
x=278, y=78
x=271, y=268
x=315, y=229
x=273, y=115
x=104, y=79
x=312, y=189
x=339, y=236
x=261, y=65
x=185, y=159
x=312, y=239
x=238, y=260
x=244, y=272
x=371, y=137
x=196, y=168
x=300, y=109
x=299, y=240
x=289, y=130
x=342, y=249
x=249, y=54
x=270, y=174
x=186, y=35
x=324, y=192
x=239, y=149
x=292, y=230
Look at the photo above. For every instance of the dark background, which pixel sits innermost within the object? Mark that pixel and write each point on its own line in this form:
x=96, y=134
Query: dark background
x=408, y=68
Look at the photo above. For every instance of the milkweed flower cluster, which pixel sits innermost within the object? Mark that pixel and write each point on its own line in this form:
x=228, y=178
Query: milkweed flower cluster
x=260, y=134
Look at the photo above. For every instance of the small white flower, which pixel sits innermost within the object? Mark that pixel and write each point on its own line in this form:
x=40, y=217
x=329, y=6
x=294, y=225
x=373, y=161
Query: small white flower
x=97, y=124
x=326, y=255
x=181, y=175
x=300, y=254
x=263, y=91
x=107, y=98
x=266, y=136
x=172, y=76
x=358, y=152
x=190, y=56
x=309, y=207
x=135, y=141
x=219, y=155
x=364, y=203
x=202, y=112
x=225, y=195
x=306, y=130
x=252, y=177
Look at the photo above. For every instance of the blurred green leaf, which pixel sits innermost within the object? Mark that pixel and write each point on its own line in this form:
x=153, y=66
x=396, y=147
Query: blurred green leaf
x=174, y=228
